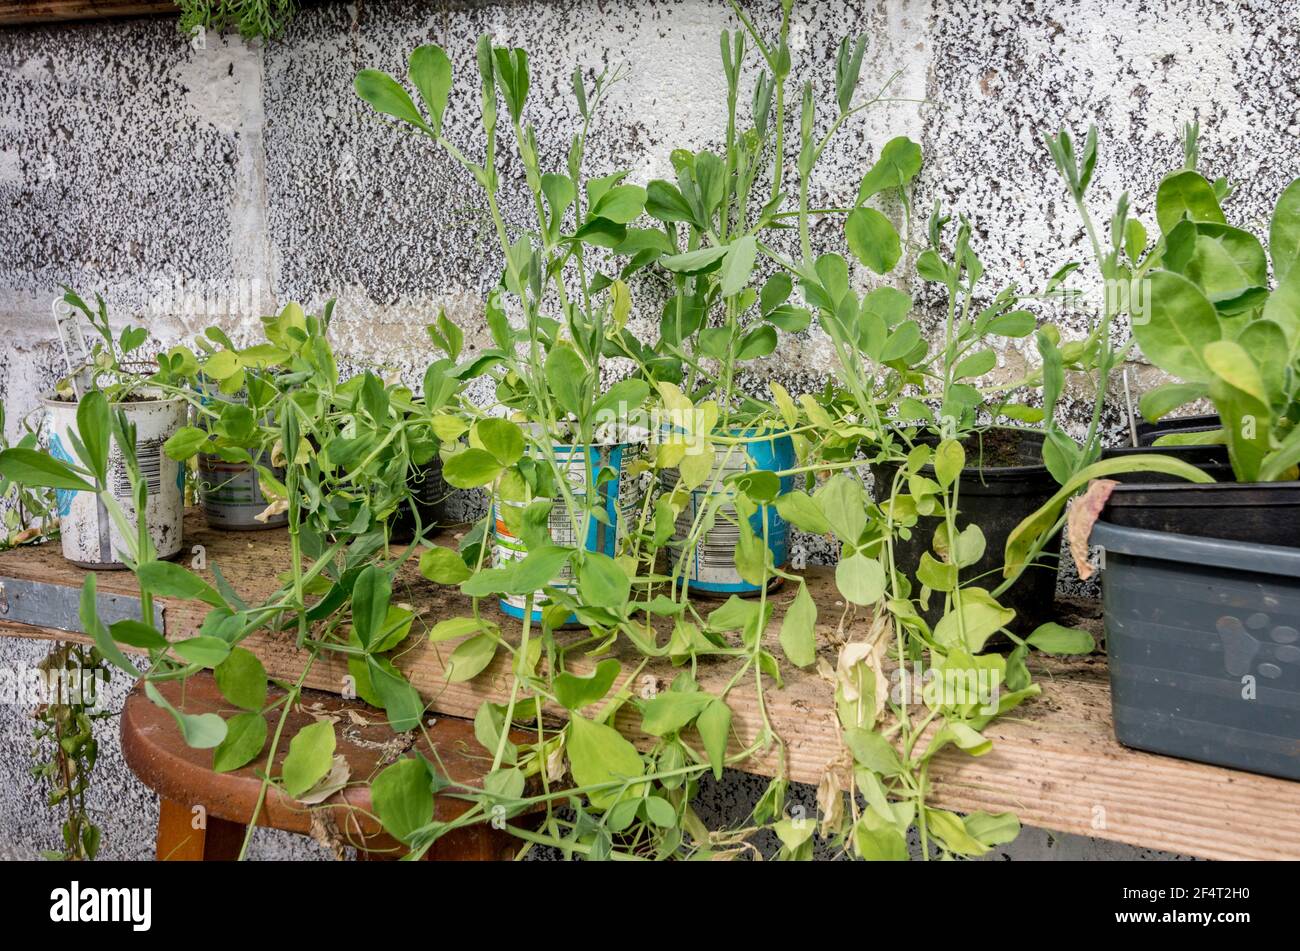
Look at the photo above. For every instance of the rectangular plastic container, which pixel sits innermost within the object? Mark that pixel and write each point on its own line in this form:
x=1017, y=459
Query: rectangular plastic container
x=1203, y=636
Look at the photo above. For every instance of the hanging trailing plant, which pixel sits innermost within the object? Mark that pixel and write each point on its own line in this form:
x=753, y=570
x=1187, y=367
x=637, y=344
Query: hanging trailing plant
x=265, y=19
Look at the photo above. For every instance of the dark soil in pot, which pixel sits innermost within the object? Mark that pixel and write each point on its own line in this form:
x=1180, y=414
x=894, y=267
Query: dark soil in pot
x=1004, y=481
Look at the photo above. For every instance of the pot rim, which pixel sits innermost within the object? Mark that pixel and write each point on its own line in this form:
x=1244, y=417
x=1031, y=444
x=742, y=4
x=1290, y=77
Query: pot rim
x=995, y=473
x=1178, y=488
x=1280, y=560
x=50, y=399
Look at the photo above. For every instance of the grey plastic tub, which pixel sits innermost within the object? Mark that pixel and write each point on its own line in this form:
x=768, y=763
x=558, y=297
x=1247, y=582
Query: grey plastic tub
x=1203, y=637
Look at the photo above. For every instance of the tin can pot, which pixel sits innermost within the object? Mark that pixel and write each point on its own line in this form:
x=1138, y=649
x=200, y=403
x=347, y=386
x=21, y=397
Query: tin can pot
x=620, y=498
x=90, y=537
x=710, y=567
x=230, y=492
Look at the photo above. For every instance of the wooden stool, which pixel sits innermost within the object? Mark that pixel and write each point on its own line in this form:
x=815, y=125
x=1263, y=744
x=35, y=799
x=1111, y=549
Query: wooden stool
x=222, y=804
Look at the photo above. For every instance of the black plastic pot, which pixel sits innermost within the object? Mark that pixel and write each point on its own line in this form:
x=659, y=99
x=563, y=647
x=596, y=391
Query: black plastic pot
x=1265, y=513
x=997, y=499
x=428, y=497
x=1213, y=460
x=1203, y=636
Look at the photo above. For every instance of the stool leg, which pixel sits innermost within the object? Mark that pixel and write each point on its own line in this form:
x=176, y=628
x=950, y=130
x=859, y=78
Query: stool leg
x=179, y=841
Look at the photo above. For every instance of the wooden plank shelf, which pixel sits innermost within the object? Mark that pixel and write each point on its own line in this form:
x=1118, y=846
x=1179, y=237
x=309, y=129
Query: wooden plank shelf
x=17, y=12
x=1055, y=760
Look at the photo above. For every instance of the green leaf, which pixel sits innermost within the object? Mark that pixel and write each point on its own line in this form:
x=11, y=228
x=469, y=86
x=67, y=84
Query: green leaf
x=565, y=375
x=979, y=617
x=38, y=470
x=936, y=575
x=394, y=629
x=759, y=342
x=1239, y=394
x=502, y=438
x=873, y=239
x=538, y=568
x=1186, y=194
x=443, y=566
x=1178, y=323
x=471, y=468
x=470, y=658
x=993, y=828
x=206, y=650
x=1226, y=262
x=311, y=754
x=665, y=202
x=401, y=701
x=660, y=812
x=1023, y=535
x=949, y=460
x=1284, y=231
x=802, y=512
x=623, y=399
x=714, y=725
x=1163, y=399
x=621, y=204
x=244, y=740
x=170, y=580
x=371, y=594
x=873, y=751
x=948, y=828
x=575, y=691
x=739, y=264
x=93, y=429
x=963, y=736
x=403, y=798
x=975, y=365
x=1053, y=638
x=899, y=162
x=184, y=443
x=601, y=582
x=430, y=73
x=242, y=679
x=669, y=711
x=844, y=503
x=695, y=262
x=385, y=94
x=137, y=634
x=201, y=732
x=775, y=292
x=1018, y=323
x=599, y=754
x=452, y=628
x=799, y=629
x=860, y=579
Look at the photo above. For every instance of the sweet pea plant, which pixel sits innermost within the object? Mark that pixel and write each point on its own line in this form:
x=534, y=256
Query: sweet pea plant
x=557, y=321
x=630, y=799
x=1214, y=322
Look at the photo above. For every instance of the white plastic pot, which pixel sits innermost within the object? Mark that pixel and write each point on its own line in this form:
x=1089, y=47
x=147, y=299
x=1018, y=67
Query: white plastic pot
x=90, y=536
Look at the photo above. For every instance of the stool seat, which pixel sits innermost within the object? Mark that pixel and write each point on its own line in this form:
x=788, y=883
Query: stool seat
x=184, y=778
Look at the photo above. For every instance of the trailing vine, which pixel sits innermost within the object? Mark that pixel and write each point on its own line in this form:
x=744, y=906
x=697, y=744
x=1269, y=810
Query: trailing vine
x=265, y=19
